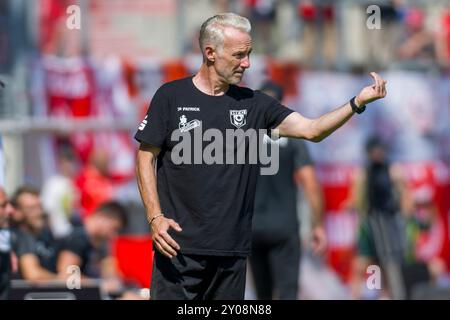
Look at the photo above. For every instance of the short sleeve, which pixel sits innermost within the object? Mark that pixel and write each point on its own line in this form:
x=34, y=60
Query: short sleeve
x=153, y=129
x=24, y=243
x=274, y=111
x=302, y=156
x=76, y=243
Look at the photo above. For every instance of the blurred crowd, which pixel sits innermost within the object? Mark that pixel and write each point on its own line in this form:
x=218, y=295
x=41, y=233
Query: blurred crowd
x=323, y=34
x=46, y=238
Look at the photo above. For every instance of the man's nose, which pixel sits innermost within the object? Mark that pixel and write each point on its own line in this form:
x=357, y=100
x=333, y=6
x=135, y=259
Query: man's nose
x=9, y=210
x=245, y=62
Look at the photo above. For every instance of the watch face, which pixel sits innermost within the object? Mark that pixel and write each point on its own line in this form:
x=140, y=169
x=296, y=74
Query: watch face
x=361, y=109
x=355, y=108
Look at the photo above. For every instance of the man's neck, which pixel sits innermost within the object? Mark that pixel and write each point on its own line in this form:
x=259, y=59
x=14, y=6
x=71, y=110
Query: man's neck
x=207, y=81
x=90, y=228
x=29, y=229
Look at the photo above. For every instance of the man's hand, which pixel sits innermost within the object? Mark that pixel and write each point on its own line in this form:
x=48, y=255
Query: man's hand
x=161, y=238
x=373, y=92
x=319, y=240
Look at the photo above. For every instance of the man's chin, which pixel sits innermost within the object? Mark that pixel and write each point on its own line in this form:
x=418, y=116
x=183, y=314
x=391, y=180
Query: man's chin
x=236, y=79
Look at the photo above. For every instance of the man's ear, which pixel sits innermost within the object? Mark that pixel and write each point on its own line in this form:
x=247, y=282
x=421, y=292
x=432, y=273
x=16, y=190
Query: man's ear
x=210, y=53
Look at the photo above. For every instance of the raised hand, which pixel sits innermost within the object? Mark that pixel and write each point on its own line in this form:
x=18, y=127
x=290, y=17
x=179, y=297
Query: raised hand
x=373, y=92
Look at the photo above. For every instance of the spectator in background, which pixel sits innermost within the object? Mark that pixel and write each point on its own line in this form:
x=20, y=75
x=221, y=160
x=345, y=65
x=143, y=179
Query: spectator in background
x=378, y=193
x=417, y=48
x=379, y=187
x=87, y=245
x=5, y=245
x=17, y=217
x=59, y=194
x=381, y=43
x=425, y=233
x=263, y=15
x=275, y=255
x=94, y=183
x=33, y=241
x=442, y=44
x=318, y=36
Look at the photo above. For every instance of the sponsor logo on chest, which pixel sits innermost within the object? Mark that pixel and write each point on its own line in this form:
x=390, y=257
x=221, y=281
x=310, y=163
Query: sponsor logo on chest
x=195, y=109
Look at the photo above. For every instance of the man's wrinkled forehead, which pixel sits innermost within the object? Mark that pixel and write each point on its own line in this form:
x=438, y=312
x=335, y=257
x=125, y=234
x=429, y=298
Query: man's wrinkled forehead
x=236, y=39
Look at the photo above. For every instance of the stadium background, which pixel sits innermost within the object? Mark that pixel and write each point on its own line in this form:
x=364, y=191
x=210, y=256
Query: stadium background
x=92, y=87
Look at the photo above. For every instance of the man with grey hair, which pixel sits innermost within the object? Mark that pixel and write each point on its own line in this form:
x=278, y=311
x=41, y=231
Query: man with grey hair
x=200, y=214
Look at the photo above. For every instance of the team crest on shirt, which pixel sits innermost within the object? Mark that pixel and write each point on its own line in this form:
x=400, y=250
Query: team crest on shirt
x=238, y=118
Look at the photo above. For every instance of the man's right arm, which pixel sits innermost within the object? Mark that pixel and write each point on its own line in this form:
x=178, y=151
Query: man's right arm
x=146, y=178
x=32, y=270
x=145, y=173
x=27, y=259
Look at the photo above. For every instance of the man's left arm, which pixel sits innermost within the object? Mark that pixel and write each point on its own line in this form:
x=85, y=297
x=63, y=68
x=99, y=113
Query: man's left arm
x=306, y=176
x=297, y=126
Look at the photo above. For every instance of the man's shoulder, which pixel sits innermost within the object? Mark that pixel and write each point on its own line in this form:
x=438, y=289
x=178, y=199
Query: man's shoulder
x=242, y=92
x=77, y=234
x=22, y=235
x=255, y=94
x=177, y=84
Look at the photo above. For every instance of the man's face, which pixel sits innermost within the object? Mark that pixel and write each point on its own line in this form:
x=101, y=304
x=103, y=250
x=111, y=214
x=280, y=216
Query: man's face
x=29, y=205
x=377, y=155
x=107, y=228
x=6, y=210
x=234, y=57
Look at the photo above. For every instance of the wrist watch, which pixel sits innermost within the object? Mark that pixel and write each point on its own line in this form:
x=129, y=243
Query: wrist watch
x=355, y=108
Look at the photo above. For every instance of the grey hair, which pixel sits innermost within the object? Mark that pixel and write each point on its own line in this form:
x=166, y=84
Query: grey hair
x=212, y=30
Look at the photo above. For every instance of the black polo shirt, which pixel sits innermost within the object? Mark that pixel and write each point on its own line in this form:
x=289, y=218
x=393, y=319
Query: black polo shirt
x=212, y=202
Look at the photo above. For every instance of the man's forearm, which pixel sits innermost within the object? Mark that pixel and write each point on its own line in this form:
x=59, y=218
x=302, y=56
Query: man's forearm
x=146, y=179
x=316, y=204
x=313, y=193
x=297, y=126
x=32, y=270
x=330, y=122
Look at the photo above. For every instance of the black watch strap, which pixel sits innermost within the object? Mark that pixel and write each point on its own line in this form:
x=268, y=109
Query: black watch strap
x=355, y=107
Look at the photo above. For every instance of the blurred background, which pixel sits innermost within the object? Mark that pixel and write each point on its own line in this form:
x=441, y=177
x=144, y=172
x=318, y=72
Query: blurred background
x=71, y=99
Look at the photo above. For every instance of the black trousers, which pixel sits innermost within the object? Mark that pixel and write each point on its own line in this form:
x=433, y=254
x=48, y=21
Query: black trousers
x=274, y=263
x=198, y=277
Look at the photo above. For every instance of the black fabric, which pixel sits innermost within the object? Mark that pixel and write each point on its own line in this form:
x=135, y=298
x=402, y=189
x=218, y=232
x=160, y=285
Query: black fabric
x=276, y=195
x=43, y=245
x=197, y=277
x=5, y=263
x=212, y=203
x=78, y=242
x=380, y=190
x=275, y=262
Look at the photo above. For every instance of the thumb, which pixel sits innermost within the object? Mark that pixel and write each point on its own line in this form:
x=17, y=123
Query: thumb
x=175, y=225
